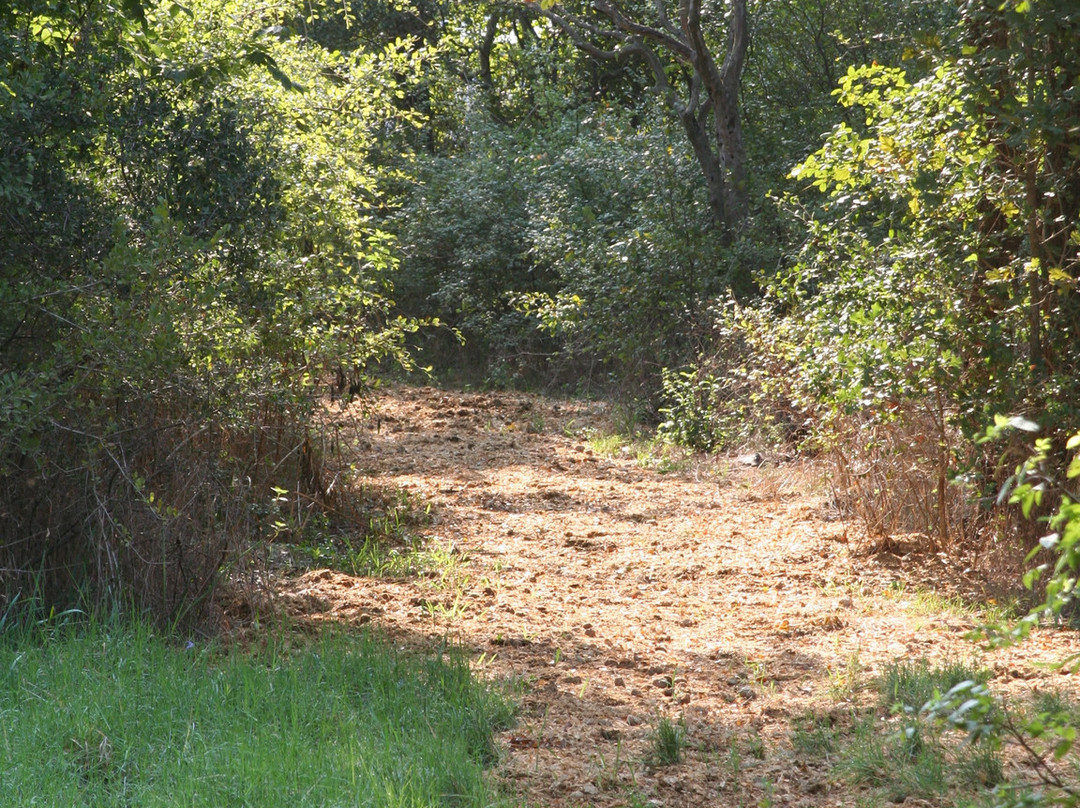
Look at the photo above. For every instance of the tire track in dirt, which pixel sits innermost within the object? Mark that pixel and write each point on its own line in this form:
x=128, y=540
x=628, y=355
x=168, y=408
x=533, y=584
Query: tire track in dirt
x=722, y=596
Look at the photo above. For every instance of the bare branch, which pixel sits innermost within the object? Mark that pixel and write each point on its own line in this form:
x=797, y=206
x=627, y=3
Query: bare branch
x=737, y=45
x=677, y=46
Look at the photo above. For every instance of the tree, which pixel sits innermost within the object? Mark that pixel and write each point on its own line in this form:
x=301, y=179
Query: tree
x=702, y=91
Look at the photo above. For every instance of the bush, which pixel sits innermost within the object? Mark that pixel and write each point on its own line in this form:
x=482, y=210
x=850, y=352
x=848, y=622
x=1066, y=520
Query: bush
x=928, y=295
x=620, y=218
x=184, y=258
x=464, y=232
x=1045, y=735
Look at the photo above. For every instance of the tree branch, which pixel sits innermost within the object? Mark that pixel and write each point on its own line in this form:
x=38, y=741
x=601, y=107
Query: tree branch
x=678, y=47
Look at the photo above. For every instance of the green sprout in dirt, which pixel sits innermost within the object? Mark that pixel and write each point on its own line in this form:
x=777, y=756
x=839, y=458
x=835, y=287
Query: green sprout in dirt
x=666, y=743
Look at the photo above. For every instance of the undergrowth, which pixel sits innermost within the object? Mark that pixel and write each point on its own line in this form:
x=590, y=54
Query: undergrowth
x=892, y=751
x=384, y=541
x=108, y=714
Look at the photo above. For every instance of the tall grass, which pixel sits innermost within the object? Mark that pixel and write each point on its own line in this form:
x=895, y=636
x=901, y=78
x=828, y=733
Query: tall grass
x=110, y=716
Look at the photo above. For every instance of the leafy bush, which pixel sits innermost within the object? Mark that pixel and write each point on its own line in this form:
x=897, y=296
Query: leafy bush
x=588, y=243
x=931, y=291
x=622, y=221
x=464, y=233
x=186, y=254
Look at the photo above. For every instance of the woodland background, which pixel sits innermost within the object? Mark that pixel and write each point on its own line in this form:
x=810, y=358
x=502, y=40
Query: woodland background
x=847, y=229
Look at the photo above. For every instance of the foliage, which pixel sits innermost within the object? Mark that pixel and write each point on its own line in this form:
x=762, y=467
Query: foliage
x=694, y=82
x=624, y=227
x=936, y=283
x=589, y=239
x=1046, y=735
x=800, y=49
x=465, y=248
x=188, y=249
x=691, y=408
x=135, y=719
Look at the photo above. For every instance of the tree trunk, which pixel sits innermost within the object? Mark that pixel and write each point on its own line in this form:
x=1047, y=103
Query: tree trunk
x=710, y=112
x=711, y=168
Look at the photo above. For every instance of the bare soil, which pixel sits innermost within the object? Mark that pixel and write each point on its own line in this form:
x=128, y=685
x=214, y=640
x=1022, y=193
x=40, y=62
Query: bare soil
x=729, y=597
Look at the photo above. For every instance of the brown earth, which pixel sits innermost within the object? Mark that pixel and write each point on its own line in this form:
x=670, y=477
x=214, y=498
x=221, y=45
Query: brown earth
x=726, y=596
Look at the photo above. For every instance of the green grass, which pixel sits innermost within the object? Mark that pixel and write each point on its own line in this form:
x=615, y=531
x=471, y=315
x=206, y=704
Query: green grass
x=650, y=453
x=927, y=602
x=380, y=538
x=814, y=735
x=666, y=743
x=900, y=761
x=115, y=716
x=897, y=752
x=909, y=684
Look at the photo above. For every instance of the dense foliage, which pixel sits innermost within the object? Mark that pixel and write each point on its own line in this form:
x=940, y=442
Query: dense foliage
x=936, y=286
x=187, y=248
x=216, y=212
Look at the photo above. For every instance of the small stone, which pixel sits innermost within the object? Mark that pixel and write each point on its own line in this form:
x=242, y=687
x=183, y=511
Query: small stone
x=620, y=682
x=662, y=682
x=635, y=720
x=747, y=692
x=589, y=789
x=844, y=603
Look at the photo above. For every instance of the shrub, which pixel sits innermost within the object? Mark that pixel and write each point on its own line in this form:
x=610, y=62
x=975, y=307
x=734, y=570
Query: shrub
x=184, y=258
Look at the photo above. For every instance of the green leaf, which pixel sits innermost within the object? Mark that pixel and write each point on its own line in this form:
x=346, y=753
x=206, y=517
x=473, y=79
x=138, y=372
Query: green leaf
x=1023, y=424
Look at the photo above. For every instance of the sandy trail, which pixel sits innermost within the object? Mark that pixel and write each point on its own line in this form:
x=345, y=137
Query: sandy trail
x=723, y=596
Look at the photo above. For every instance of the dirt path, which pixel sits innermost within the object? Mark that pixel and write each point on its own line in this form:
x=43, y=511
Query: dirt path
x=721, y=595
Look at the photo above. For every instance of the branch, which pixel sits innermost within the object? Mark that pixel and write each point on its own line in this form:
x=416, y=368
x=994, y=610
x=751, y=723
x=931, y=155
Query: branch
x=704, y=64
x=662, y=15
x=677, y=46
x=737, y=45
x=573, y=30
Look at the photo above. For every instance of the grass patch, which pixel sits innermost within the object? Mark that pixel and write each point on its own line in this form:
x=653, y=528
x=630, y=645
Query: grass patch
x=927, y=602
x=900, y=761
x=909, y=684
x=106, y=715
x=666, y=743
x=381, y=539
x=815, y=736
x=1054, y=702
x=649, y=453
x=897, y=752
